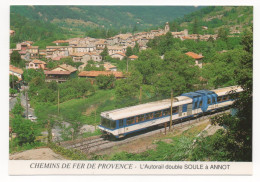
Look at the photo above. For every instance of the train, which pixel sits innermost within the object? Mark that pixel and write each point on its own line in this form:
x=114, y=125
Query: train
x=120, y=122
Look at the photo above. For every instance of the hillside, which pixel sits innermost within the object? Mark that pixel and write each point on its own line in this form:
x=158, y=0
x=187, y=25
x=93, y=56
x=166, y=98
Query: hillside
x=59, y=22
x=103, y=16
x=234, y=18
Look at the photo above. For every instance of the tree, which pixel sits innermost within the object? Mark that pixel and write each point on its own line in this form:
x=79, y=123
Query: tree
x=12, y=81
x=179, y=74
x=105, y=82
x=239, y=126
x=148, y=65
x=127, y=89
x=222, y=34
x=25, y=129
x=129, y=51
x=104, y=53
x=195, y=28
x=16, y=60
x=136, y=49
x=18, y=108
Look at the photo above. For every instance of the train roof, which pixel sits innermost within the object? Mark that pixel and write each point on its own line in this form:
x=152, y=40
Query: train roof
x=226, y=90
x=145, y=108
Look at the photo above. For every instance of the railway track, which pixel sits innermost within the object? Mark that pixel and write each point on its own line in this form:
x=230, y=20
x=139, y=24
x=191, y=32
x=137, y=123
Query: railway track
x=97, y=143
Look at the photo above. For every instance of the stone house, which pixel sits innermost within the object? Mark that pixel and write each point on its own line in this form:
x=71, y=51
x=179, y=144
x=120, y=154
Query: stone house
x=133, y=57
x=34, y=51
x=16, y=72
x=91, y=56
x=109, y=67
x=36, y=64
x=118, y=55
x=61, y=73
x=115, y=49
x=197, y=57
x=94, y=74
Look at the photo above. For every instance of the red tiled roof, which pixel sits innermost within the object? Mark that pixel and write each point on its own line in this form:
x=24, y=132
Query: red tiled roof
x=60, y=41
x=57, y=72
x=68, y=67
x=96, y=73
x=15, y=69
x=133, y=57
x=33, y=47
x=120, y=53
x=194, y=55
x=38, y=61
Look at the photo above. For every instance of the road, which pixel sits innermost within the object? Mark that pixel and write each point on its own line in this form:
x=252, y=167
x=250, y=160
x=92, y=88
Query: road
x=13, y=100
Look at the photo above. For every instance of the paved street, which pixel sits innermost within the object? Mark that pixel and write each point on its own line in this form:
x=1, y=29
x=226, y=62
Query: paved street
x=13, y=100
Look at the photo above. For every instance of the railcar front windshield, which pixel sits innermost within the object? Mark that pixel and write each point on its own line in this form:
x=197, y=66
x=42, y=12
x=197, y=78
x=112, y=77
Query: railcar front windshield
x=108, y=123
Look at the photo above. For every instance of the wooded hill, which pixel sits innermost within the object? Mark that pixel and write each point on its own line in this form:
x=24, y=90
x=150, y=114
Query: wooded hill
x=234, y=18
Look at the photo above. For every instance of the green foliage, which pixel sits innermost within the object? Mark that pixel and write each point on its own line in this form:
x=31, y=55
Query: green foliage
x=195, y=29
x=12, y=91
x=67, y=60
x=239, y=127
x=18, y=108
x=129, y=51
x=179, y=74
x=222, y=34
x=104, y=53
x=30, y=74
x=15, y=147
x=129, y=88
x=136, y=49
x=105, y=82
x=16, y=60
x=25, y=129
x=12, y=81
x=69, y=154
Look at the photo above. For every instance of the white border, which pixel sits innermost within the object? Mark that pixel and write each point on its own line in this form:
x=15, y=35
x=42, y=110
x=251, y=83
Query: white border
x=4, y=9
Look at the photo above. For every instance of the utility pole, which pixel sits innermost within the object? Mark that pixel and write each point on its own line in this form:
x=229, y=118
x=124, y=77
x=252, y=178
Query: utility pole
x=26, y=100
x=140, y=97
x=127, y=65
x=58, y=101
x=171, y=111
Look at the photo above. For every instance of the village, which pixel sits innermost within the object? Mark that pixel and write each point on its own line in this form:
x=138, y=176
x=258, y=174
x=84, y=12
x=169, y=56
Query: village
x=83, y=50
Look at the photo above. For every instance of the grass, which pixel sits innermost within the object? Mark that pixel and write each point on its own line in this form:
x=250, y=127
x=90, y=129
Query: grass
x=177, y=150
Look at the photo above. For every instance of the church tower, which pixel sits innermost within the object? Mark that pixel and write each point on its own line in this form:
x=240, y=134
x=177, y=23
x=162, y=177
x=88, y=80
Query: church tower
x=167, y=27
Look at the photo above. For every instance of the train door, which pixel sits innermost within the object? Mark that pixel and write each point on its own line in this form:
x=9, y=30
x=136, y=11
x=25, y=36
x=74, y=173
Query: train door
x=180, y=111
x=189, y=109
x=121, y=129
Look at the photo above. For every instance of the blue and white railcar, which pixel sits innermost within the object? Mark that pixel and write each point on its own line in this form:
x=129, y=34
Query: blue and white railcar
x=121, y=122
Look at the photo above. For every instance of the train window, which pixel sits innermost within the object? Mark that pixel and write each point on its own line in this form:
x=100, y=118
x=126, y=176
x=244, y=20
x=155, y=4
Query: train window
x=175, y=110
x=105, y=122
x=219, y=99
x=209, y=101
x=157, y=114
x=200, y=104
x=140, y=118
x=149, y=116
x=225, y=98
x=166, y=112
x=130, y=120
x=121, y=123
x=112, y=124
x=108, y=123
